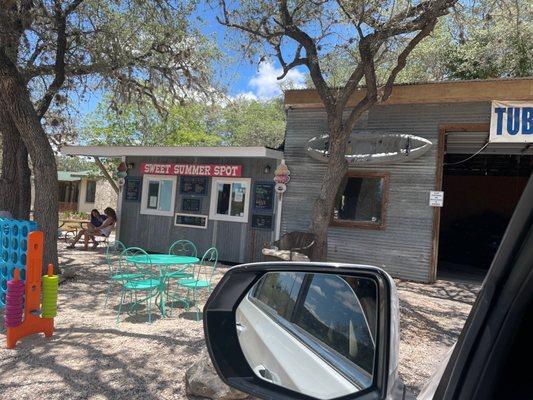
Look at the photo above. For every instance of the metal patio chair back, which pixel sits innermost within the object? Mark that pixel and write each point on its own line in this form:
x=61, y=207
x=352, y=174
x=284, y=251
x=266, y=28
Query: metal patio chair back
x=144, y=278
x=183, y=248
x=201, y=280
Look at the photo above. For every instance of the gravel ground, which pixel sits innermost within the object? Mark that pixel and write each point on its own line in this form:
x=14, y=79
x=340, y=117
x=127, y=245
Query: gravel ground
x=91, y=357
x=431, y=318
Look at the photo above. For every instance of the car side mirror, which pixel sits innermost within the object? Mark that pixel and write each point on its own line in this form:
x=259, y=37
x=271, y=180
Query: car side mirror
x=305, y=331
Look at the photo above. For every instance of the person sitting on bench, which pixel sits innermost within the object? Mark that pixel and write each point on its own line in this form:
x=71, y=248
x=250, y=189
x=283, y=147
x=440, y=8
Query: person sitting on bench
x=91, y=231
x=97, y=220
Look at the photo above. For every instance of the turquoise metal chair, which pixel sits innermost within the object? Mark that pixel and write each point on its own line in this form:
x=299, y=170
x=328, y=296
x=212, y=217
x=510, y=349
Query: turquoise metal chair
x=146, y=280
x=113, y=260
x=201, y=279
x=181, y=248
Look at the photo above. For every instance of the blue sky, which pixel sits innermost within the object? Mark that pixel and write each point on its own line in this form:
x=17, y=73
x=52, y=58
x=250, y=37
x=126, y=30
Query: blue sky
x=242, y=77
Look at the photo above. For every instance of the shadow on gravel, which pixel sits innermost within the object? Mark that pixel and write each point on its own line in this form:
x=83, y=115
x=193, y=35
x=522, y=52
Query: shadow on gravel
x=463, y=292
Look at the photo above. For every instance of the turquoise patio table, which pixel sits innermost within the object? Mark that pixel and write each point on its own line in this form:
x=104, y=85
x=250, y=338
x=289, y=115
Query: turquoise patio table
x=162, y=260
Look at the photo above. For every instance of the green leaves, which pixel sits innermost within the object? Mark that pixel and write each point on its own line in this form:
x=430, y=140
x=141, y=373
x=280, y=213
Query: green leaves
x=237, y=122
x=130, y=124
x=479, y=42
x=253, y=123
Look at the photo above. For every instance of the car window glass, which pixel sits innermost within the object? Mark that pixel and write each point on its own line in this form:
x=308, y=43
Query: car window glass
x=279, y=291
x=332, y=313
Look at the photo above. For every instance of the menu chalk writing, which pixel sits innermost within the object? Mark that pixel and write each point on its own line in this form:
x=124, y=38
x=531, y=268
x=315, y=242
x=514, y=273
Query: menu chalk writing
x=193, y=185
x=132, y=189
x=191, y=204
x=191, y=220
x=263, y=196
x=260, y=221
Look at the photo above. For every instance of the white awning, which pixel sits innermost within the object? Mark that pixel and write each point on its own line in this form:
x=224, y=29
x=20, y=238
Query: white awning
x=160, y=151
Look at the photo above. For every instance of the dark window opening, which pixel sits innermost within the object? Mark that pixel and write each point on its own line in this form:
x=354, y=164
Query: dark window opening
x=153, y=195
x=90, y=194
x=361, y=201
x=223, y=198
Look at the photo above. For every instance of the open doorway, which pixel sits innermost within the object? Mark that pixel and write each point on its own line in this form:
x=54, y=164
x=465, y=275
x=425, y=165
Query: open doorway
x=481, y=193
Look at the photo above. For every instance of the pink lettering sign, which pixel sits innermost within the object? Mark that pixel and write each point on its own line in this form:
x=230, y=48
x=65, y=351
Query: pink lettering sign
x=222, y=170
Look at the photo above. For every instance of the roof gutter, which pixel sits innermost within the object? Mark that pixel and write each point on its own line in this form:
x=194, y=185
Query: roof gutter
x=160, y=151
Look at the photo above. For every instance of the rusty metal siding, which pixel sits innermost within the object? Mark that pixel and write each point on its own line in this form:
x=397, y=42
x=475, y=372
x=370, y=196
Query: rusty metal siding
x=235, y=242
x=403, y=248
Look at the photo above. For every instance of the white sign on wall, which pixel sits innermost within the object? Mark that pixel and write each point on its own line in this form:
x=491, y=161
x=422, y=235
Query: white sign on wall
x=511, y=122
x=436, y=198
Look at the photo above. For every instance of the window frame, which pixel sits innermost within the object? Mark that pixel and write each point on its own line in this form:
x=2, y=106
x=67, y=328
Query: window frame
x=384, y=202
x=87, y=190
x=145, y=186
x=213, y=200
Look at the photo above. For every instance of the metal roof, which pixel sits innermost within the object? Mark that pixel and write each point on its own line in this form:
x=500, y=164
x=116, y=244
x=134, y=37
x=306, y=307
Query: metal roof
x=173, y=151
x=421, y=83
x=429, y=92
x=70, y=176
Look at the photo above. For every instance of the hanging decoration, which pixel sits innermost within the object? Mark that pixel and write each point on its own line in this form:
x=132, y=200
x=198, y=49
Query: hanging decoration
x=282, y=176
x=122, y=172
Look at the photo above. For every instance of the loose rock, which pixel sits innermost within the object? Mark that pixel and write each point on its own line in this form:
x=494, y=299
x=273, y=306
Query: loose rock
x=201, y=380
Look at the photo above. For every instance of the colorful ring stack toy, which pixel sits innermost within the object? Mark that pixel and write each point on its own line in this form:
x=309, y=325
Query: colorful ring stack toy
x=50, y=286
x=37, y=318
x=14, y=301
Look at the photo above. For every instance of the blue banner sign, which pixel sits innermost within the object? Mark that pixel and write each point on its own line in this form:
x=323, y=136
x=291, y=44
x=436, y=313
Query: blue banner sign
x=511, y=122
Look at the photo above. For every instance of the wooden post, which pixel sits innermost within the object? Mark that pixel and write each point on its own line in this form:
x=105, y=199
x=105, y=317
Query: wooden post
x=106, y=174
x=278, y=216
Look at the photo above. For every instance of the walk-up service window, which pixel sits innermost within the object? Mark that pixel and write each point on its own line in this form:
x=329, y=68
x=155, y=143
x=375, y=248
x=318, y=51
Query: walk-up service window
x=158, y=195
x=230, y=199
x=361, y=200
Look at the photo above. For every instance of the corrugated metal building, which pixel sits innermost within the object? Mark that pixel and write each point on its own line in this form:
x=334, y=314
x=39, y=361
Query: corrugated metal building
x=455, y=117
x=383, y=218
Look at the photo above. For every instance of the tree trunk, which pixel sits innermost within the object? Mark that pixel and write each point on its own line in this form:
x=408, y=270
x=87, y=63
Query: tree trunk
x=15, y=98
x=15, y=188
x=9, y=193
x=24, y=182
x=323, y=207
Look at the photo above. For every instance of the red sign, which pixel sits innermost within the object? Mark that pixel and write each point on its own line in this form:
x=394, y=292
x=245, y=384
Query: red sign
x=192, y=169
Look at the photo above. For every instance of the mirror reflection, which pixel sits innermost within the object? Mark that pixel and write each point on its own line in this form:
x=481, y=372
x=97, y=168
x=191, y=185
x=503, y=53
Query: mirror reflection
x=313, y=333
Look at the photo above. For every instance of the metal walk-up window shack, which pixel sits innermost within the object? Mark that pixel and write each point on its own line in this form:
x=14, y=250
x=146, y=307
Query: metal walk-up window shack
x=213, y=196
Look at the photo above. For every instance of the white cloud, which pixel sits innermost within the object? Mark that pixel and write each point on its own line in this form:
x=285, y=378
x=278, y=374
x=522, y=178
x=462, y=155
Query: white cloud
x=266, y=85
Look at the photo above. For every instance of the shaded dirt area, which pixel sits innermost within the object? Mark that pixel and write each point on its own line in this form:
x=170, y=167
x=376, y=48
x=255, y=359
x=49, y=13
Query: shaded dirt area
x=91, y=357
x=431, y=319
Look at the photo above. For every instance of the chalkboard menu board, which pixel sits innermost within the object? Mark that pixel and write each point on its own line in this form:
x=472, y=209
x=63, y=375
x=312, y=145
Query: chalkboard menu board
x=264, y=196
x=260, y=221
x=132, y=189
x=191, y=204
x=191, y=220
x=193, y=185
